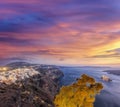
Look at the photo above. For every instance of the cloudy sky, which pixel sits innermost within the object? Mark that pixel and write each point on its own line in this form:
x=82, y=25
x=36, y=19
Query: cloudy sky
x=73, y=32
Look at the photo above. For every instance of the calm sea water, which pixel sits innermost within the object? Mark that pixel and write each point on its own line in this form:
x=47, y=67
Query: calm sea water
x=110, y=95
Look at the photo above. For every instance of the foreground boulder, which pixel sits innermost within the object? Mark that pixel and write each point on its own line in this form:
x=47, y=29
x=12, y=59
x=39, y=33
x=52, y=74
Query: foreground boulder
x=82, y=93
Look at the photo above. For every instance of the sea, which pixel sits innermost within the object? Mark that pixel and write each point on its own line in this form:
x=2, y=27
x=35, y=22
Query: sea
x=109, y=96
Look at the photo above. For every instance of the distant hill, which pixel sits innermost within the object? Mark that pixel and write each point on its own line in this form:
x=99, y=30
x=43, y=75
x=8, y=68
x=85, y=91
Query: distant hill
x=84, y=67
x=18, y=64
x=116, y=72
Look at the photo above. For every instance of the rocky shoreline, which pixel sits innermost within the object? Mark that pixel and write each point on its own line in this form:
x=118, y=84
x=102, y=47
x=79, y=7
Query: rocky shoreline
x=36, y=91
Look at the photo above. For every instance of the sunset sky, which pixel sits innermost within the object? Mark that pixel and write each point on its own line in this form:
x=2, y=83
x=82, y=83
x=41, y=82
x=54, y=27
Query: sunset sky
x=64, y=32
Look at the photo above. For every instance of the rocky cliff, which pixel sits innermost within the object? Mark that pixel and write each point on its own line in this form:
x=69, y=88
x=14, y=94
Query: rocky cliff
x=29, y=85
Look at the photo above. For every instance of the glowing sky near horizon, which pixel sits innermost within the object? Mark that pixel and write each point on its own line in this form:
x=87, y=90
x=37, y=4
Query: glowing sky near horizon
x=78, y=32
